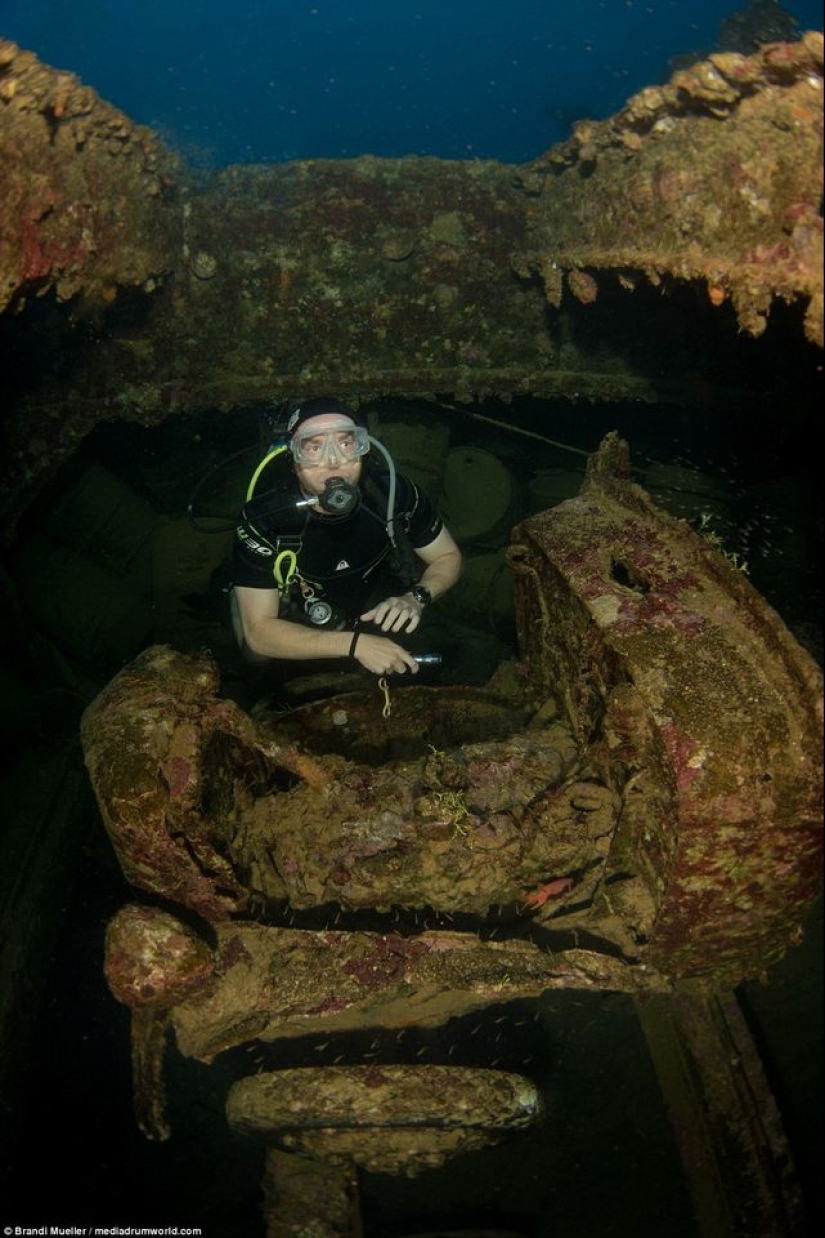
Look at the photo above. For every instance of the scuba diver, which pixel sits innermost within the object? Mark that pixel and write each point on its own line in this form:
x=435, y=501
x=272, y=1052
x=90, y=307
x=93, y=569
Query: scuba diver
x=324, y=532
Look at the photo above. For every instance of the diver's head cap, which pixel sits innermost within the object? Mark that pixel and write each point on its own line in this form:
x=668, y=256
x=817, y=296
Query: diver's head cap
x=320, y=406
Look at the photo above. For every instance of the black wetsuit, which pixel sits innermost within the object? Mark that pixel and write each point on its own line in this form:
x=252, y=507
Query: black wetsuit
x=343, y=560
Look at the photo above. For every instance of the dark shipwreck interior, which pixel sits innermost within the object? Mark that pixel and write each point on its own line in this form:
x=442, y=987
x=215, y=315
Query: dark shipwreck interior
x=605, y=368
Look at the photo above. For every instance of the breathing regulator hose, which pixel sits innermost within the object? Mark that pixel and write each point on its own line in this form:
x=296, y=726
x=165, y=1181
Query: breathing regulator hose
x=335, y=506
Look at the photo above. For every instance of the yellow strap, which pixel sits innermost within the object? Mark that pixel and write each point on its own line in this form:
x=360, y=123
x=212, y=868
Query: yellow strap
x=284, y=574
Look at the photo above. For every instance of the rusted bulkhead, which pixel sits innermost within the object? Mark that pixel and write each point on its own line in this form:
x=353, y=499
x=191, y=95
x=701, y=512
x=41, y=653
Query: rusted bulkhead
x=88, y=206
x=412, y=276
x=698, y=708
x=715, y=176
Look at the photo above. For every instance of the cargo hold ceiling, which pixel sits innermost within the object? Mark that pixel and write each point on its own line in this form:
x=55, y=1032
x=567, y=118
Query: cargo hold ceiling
x=671, y=254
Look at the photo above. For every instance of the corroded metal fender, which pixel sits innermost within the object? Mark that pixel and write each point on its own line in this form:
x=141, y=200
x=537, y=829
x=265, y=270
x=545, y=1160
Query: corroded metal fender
x=207, y=808
x=697, y=705
x=149, y=738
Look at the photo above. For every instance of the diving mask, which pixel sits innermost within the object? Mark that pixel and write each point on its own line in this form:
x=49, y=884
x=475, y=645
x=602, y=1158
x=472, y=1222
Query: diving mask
x=329, y=446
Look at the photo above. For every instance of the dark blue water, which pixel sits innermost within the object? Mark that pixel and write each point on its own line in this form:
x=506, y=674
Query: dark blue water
x=272, y=80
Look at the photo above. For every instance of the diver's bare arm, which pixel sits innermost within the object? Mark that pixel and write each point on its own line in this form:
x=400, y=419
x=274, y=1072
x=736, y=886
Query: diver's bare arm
x=442, y=568
x=442, y=564
x=269, y=636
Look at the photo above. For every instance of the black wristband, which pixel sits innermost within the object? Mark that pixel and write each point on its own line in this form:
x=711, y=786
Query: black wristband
x=353, y=643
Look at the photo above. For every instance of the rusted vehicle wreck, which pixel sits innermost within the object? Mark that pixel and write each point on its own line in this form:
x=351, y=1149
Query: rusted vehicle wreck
x=641, y=794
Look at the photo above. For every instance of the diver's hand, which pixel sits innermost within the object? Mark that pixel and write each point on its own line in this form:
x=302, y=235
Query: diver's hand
x=382, y=656
x=401, y=614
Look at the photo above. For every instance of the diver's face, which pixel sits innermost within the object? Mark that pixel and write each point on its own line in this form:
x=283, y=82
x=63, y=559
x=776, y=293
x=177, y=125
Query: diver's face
x=314, y=477
x=325, y=447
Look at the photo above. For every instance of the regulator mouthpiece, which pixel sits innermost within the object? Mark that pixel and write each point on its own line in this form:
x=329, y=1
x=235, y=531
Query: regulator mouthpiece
x=339, y=497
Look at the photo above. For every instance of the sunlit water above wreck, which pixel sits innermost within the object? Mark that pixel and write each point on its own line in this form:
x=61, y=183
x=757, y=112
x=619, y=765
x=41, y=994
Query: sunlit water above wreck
x=605, y=1161
x=278, y=81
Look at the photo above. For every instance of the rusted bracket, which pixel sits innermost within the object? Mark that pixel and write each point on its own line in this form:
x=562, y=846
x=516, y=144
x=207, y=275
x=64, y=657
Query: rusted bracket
x=725, y=1119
